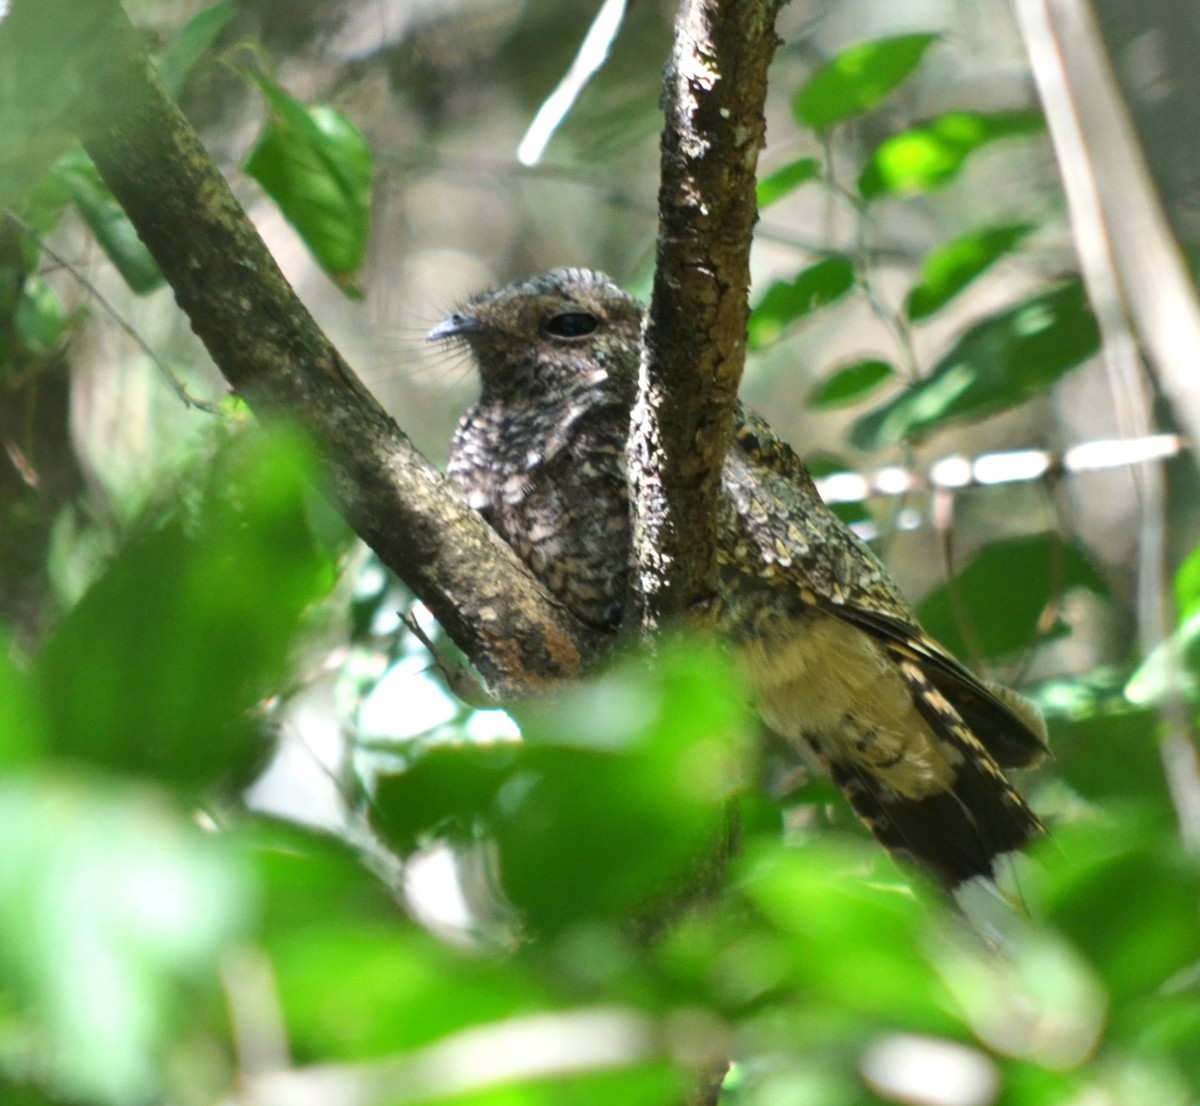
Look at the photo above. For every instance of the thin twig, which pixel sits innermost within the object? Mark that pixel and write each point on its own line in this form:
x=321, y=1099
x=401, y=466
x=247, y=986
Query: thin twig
x=176, y=385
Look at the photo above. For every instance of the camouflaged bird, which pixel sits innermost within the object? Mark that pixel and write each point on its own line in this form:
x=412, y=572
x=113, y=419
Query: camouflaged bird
x=835, y=658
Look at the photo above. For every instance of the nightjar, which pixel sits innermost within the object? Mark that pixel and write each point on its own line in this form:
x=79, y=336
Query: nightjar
x=836, y=661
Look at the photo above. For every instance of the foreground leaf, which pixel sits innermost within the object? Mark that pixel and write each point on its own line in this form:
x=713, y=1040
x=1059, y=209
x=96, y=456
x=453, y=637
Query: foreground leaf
x=631, y=771
x=1092, y=874
x=157, y=667
x=1171, y=669
x=1187, y=586
x=112, y=913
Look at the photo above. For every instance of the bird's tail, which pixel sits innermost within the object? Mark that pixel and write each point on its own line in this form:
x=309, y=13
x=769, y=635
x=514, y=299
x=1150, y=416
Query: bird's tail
x=959, y=832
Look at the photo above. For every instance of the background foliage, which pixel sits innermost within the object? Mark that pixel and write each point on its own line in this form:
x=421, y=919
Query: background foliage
x=413, y=906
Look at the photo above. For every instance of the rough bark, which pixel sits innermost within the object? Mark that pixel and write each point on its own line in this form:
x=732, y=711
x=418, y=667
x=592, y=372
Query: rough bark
x=275, y=356
x=695, y=335
x=714, y=90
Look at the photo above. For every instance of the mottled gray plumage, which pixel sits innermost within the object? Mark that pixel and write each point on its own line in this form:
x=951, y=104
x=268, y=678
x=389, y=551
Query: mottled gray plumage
x=836, y=660
x=541, y=455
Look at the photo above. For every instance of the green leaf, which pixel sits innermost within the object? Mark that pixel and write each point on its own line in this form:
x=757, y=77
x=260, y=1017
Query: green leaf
x=786, y=301
x=108, y=222
x=951, y=267
x=1172, y=668
x=858, y=78
x=999, y=362
x=21, y=735
x=838, y=938
x=851, y=383
x=1126, y=895
x=630, y=771
x=41, y=319
x=156, y=669
x=931, y=155
x=446, y=790
x=177, y=61
x=787, y=179
x=1187, y=586
x=48, y=56
x=1003, y=593
x=1105, y=747
x=113, y=914
x=315, y=164
x=356, y=977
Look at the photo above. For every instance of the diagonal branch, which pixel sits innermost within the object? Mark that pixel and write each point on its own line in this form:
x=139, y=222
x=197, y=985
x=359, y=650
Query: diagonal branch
x=275, y=356
x=695, y=335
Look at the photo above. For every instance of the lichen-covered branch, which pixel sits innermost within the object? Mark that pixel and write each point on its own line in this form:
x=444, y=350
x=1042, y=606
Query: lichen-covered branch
x=272, y=352
x=713, y=96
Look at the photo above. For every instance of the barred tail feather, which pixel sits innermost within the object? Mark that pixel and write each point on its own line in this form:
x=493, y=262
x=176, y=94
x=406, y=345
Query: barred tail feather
x=959, y=833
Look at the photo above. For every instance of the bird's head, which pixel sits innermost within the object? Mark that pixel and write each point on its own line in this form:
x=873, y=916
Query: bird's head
x=556, y=330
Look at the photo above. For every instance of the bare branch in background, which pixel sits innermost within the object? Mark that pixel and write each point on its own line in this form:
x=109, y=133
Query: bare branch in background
x=1141, y=293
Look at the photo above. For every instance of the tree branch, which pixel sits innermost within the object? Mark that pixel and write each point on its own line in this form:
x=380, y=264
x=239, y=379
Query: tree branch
x=695, y=334
x=694, y=346
x=274, y=355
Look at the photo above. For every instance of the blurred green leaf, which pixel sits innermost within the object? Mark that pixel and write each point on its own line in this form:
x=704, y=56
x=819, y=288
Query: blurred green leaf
x=1104, y=747
x=21, y=735
x=25, y=1095
x=177, y=61
x=1173, y=668
x=356, y=989
x=49, y=55
x=639, y=1084
x=1128, y=896
x=951, y=267
x=42, y=322
x=627, y=774
x=858, y=78
x=108, y=222
x=1004, y=593
x=835, y=937
x=445, y=790
x=156, y=669
x=112, y=913
x=787, y=179
x=786, y=301
x=315, y=164
x=1044, y=1003
x=931, y=155
x=1187, y=587
x=42, y=208
x=998, y=363
x=851, y=383
x=307, y=878
x=356, y=978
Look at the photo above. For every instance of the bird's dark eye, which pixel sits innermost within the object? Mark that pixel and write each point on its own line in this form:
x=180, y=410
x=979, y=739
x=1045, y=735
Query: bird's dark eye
x=570, y=324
